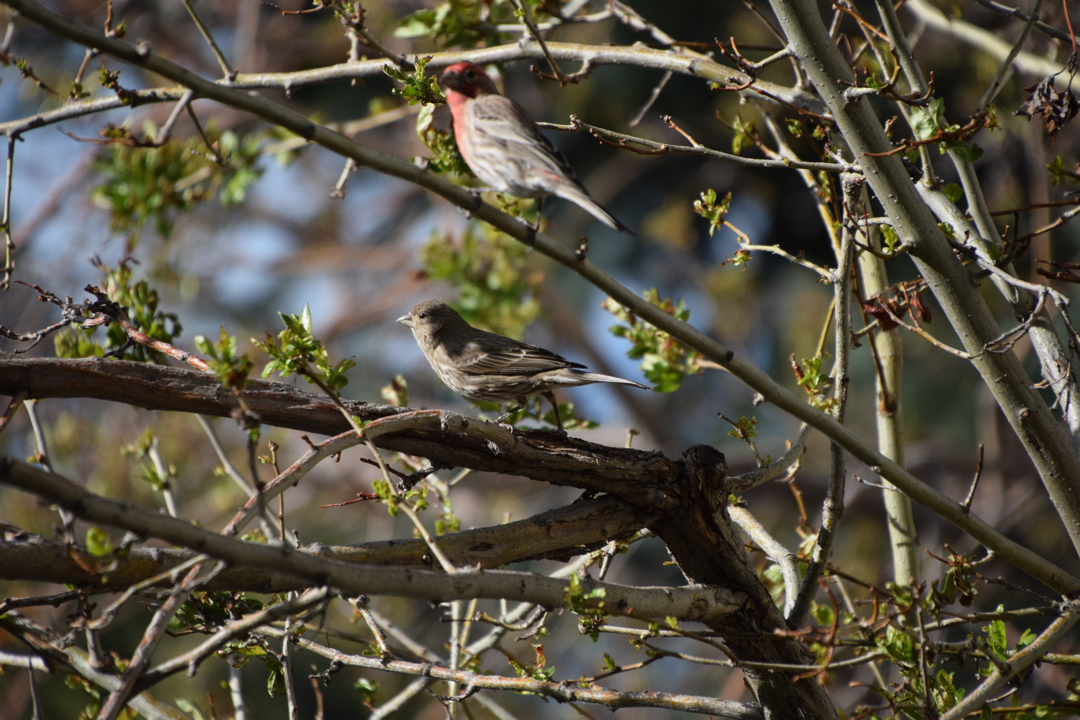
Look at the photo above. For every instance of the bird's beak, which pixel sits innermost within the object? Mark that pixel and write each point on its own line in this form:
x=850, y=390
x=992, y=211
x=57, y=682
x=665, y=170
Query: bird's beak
x=406, y=320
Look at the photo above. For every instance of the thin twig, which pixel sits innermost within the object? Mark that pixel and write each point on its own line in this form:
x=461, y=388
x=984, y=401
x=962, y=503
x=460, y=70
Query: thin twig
x=1019, y=15
x=786, y=464
x=522, y=11
x=151, y=637
x=833, y=508
x=166, y=129
x=975, y=480
x=13, y=408
x=627, y=142
x=9, y=244
x=219, y=450
x=227, y=73
x=1006, y=64
x=652, y=98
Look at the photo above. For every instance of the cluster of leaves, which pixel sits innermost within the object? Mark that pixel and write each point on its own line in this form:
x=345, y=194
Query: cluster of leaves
x=297, y=351
x=140, y=452
x=713, y=211
x=929, y=123
x=538, y=670
x=496, y=292
x=1060, y=172
x=417, y=86
x=817, y=384
x=744, y=135
x=665, y=361
x=206, y=612
x=588, y=606
x=416, y=497
x=940, y=688
x=464, y=22
x=156, y=183
x=924, y=680
x=230, y=369
x=445, y=157
x=141, y=303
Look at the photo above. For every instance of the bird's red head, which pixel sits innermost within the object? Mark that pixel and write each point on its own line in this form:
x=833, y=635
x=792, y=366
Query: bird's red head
x=468, y=79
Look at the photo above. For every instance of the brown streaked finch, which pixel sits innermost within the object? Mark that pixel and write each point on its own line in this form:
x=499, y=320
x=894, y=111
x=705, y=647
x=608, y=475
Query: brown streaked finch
x=484, y=366
x=504, y=147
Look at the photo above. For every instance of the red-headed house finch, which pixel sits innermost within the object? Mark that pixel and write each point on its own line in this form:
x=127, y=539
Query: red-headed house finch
x=484, y=366
x=505, y=149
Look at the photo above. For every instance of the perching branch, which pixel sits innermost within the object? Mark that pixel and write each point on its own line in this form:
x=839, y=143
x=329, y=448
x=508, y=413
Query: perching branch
x=575, y=464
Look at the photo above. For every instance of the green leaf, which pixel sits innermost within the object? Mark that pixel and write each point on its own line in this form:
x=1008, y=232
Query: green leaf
x=366, y=688
x=996, y=638
x=97, y=542
x=417, y=87
x=275, y=677
x=714, y=212
x=890, y=238
x=954, y=192
x=968, y=153
x=926, y=122
x=823, y=614
x=664, y=360
x=745, y=135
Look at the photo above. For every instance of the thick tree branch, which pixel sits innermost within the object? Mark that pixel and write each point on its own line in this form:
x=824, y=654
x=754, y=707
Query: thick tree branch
x=634, y=474
x=709, y=605
x=557, y=534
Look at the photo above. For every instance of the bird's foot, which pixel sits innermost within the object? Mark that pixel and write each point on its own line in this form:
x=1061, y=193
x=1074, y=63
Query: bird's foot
x=530, y=231
x=478, y=200
x=561, y=431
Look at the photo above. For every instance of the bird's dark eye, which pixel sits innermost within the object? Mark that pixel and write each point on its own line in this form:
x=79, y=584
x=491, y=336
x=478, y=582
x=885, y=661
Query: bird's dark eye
x=421, y=315
x=469, y=74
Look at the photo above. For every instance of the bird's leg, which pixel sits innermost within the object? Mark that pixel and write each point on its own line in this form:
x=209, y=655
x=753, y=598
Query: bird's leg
x=550, y=396
x=534, y=228
x=478, y=200
x=521, y=403
x=539, y=208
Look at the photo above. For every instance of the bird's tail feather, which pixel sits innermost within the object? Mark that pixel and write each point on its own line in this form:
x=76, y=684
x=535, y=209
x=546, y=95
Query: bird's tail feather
x=590, y=377
x=582, y=199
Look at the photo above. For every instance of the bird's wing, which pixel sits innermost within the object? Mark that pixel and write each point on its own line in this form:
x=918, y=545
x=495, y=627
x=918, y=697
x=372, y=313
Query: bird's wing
x=505, y=122
x=509, y=358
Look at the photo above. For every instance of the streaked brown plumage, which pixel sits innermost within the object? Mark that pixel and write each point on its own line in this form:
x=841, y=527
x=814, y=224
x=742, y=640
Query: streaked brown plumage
x=484, y=366
x=506, y=149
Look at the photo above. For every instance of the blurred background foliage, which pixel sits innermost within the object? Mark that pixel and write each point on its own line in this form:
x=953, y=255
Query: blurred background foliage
x=203, y=244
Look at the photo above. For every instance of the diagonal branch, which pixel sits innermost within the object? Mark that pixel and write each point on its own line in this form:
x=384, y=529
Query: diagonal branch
x=1031, y=419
